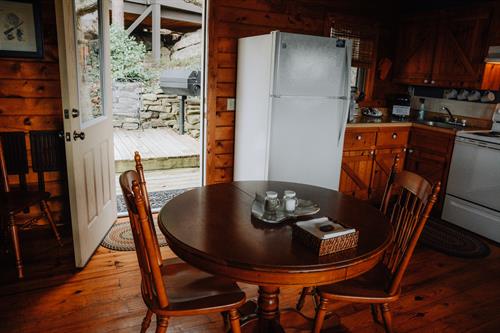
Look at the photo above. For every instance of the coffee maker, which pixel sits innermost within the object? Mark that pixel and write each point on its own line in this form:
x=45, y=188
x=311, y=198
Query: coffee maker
x=401, y=106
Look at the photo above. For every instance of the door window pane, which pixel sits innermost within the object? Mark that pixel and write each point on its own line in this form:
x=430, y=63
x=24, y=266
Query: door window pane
x=88, y=51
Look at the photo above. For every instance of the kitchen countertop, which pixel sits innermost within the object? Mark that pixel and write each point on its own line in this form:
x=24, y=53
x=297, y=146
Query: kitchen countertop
x=387, y=121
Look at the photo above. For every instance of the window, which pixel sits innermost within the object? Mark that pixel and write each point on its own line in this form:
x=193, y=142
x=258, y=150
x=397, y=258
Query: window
x=364, y=45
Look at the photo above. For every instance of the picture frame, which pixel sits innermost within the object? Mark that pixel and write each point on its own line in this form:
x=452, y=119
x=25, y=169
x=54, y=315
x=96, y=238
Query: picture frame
x=20, y=29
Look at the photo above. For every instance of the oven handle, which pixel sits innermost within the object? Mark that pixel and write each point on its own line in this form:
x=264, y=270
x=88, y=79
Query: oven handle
x=477, y=143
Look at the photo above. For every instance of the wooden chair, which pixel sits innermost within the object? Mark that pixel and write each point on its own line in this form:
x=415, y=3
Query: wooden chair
x=15, y=201
x=172, y=287
x=382, y=285
x=311, y=291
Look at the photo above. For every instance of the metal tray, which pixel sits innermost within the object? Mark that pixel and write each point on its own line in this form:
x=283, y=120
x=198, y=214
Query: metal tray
x=304, y=208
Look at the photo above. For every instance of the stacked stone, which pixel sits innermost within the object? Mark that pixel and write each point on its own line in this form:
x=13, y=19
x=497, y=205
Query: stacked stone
x=133, y=109
x=126, y=104
x=192, y=120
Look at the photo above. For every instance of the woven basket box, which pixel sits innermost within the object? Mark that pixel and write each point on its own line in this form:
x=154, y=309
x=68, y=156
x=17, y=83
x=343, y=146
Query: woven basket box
x=325, y=246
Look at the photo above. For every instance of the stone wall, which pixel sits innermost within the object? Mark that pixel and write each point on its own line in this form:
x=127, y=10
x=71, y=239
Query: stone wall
x=133, y=109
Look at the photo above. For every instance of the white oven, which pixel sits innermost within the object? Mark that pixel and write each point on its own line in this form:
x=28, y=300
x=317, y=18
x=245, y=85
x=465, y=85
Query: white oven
x=473, y=192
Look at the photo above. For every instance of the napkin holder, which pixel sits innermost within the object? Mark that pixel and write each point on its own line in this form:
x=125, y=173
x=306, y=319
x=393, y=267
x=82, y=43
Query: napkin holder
x=325, y=246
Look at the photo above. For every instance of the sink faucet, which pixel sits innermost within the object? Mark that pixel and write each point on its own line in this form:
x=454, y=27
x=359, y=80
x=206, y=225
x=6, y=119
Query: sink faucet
x=445, y=108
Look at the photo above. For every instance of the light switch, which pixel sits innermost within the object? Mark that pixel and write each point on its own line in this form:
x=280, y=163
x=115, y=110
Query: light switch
x=230, y=104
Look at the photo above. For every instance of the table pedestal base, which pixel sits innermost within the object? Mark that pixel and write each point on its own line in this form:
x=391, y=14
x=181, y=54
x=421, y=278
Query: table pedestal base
x=265, y=316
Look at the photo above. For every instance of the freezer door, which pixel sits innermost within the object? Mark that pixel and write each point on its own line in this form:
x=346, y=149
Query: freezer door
x=304, y=140
x=310, y=66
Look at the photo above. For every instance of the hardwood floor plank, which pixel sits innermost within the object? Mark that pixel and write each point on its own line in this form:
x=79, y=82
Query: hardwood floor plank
x=440, y=294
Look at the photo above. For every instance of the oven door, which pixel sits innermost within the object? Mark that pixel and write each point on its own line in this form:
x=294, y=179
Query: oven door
x=475, y=173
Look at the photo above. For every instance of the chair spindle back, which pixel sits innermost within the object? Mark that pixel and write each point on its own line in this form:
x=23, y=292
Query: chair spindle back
x=415, y=198
x=146, y=243
x=142, y=184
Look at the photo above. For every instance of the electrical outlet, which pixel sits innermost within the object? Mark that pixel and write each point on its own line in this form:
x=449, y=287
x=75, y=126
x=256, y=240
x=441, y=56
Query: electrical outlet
x=230, y=104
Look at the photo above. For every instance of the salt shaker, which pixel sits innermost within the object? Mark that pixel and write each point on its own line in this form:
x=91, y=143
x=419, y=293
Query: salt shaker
x=271, y=202
x=290, y=201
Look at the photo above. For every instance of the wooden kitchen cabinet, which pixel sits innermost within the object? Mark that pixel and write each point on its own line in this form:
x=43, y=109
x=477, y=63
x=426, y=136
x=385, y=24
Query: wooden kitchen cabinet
x=429, y=155
x=443, y=49
x=368, y=157
x=356, y=173
x=415, y=50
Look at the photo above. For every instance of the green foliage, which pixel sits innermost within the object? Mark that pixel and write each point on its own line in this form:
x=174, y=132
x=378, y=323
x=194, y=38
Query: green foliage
x=128, y=58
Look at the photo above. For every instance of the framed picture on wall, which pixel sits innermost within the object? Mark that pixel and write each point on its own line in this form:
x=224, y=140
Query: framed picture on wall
x=20, y=29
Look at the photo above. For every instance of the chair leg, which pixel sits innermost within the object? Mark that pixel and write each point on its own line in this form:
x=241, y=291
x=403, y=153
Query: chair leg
x=320, y=315
x=48, y=216
x=161, y=324
x=375, y=313
x=300, y=303
x=146, y=321
x=387, y=317
x=234, y=319
x=16, y=244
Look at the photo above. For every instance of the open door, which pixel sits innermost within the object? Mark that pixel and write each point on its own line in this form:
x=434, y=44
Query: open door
x=84, y=57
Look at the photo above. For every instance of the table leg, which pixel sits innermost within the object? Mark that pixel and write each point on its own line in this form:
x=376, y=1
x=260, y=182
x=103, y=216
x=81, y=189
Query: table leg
x=270, y=319
x=268, y=308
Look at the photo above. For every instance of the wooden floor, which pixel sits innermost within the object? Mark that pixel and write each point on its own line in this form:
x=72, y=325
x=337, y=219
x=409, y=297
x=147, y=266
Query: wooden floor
x=440, y=294
x=153, y=143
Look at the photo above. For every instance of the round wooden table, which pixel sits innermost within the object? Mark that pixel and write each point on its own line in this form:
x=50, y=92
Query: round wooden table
x=212, y=229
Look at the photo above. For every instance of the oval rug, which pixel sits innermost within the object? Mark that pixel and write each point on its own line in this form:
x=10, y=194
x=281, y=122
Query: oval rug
x=452, y=240
x=119, y=237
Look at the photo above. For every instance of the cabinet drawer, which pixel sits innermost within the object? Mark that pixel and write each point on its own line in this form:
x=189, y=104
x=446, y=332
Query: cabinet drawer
x=359, y=140
x=392, y=138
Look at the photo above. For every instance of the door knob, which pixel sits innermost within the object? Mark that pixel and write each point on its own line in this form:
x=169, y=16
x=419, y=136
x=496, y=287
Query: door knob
x=77, y=135
x=75, y=113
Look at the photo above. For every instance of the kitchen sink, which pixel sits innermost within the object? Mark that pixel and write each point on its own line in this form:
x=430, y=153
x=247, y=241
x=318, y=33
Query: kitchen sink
x=440, y=124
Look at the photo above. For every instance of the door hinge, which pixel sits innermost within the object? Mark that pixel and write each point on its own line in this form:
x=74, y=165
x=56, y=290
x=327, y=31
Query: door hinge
x=68, y=136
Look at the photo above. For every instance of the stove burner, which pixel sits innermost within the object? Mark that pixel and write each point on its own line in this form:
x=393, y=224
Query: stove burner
x=492, y=134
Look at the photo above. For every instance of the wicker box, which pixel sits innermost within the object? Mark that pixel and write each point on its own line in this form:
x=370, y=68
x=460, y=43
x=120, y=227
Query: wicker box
x=325, y=246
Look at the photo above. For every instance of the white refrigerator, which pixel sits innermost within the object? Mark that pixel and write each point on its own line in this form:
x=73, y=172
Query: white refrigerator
x=292, y=101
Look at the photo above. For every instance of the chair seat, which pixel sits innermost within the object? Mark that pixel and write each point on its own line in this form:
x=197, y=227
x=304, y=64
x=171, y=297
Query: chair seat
x=189, y=288
x=15, y=201
x=370, y=287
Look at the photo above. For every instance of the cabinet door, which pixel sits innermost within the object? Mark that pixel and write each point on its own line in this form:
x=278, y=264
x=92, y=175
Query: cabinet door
x=461, y=48
x=356, y=172
x=431, y=166
x=415, y=50
x=382, y=165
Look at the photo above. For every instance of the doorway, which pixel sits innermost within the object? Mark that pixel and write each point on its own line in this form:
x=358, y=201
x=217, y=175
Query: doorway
x=157, y=96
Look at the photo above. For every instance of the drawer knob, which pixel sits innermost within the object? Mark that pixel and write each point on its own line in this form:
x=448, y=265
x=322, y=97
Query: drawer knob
x=433, y=82
x=394, y=136
x=372, y=152
x=426, y=81
x=359, y=137
x=410, y=151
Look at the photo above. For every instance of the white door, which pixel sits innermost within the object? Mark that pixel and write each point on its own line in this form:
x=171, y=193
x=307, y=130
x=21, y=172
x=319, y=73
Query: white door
x=83, y=35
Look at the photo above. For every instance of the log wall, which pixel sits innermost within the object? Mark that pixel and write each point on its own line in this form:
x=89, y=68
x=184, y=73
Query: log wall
x=30, y=99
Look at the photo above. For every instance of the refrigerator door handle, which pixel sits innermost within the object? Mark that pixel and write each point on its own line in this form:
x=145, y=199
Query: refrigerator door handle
x=343, y=123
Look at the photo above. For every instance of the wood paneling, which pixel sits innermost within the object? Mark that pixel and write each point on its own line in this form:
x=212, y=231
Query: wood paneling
x=30, y=99
x=233, y=19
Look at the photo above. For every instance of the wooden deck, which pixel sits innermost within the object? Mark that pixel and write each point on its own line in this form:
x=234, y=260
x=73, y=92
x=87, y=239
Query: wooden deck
x=440, y=294
x=172, y=179
x=160, y=148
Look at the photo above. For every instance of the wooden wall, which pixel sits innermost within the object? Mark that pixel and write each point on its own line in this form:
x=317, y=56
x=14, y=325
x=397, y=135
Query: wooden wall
x=30, y=99
x=230, y=20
